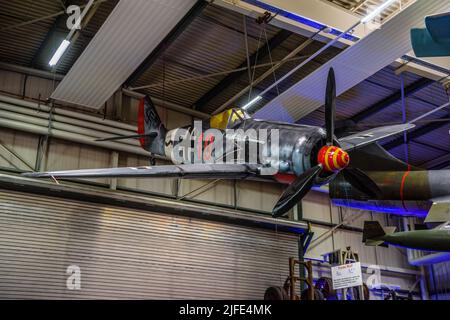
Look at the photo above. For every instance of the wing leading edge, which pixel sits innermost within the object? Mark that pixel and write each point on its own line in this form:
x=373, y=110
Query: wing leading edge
x=187, y=171
x=363, y=138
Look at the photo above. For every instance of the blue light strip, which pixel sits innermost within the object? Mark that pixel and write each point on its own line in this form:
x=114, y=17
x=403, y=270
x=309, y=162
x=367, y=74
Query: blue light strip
x=297, y=18
x=384, y=209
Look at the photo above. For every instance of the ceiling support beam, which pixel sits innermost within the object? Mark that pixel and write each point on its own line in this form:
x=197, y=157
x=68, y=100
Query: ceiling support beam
x=31, y=71
x=195, y=11
x=302, y=17
x=395, y=97
x=168, y=105
x=417, y=133
x=260, y=54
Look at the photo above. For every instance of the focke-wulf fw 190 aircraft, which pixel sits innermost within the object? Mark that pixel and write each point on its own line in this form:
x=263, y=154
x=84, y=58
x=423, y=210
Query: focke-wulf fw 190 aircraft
x=360, y=172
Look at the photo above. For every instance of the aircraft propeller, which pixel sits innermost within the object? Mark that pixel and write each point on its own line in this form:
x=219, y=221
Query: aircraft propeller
x=331, y=159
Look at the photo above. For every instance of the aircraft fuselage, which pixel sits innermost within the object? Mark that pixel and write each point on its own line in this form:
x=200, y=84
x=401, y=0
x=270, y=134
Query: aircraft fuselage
x=296, y=147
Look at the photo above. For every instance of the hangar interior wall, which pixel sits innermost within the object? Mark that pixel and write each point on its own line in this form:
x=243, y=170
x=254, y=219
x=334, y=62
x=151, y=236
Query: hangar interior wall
x=249, y=195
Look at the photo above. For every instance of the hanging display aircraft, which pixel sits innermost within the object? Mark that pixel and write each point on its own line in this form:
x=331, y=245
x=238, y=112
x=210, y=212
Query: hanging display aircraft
x=232, y=145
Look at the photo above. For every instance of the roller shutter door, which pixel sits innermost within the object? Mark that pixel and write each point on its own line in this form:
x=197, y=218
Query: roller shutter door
x=128, y=253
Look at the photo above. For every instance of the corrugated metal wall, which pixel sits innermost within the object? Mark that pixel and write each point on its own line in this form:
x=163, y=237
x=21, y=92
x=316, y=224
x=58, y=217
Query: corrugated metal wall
x=125, y=253
x=439, y=279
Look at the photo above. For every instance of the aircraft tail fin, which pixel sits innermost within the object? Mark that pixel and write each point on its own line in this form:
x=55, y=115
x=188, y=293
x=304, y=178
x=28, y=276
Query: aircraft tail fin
x=439, y=212
x=151, y=130
x=373, y=231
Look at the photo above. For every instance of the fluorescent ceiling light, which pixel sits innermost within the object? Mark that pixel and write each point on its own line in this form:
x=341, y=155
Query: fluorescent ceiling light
x=62, y=48
x=254, y=100
x=377, y=11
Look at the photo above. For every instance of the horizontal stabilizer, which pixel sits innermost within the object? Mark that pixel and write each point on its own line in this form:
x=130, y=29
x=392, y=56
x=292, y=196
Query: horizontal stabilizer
x=134, y=136
x=373, y=231
x=376, y=243
x=389, y=230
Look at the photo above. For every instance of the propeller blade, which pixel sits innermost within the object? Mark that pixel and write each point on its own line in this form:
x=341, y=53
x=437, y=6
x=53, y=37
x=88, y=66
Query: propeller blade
x=149, y=135
x=359, y=180
x=330, y=106
x=296, y=191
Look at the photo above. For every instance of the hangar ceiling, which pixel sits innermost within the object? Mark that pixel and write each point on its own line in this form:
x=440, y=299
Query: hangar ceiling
x=363, y=7
x=204, y=66
x=355, y=64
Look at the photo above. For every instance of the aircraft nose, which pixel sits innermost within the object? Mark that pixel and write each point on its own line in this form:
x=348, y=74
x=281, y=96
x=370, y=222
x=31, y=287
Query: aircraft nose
x=333, y=158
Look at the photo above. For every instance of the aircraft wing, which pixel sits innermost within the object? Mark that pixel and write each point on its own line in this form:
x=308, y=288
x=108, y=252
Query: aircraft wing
x=373, y=135
x=194, y=171
x=439, y=211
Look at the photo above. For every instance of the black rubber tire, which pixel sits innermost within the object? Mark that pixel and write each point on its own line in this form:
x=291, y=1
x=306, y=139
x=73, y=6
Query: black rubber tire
x=318, y=295
x=276, y=293
x=325, y=285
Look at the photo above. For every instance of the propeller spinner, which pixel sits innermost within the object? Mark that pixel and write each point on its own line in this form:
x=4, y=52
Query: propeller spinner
x=333, y=159
x=330, y=159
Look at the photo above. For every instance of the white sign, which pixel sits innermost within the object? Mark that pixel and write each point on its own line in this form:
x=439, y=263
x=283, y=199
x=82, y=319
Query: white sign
x=346, y=276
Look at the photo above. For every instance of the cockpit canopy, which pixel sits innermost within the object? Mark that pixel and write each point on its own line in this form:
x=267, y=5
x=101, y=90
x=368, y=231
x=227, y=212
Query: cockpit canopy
x=228, y=119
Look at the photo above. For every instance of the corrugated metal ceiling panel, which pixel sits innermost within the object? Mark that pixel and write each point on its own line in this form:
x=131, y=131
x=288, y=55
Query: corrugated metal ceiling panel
x=213, y=42
x=129, y=35
x=438, y=137
x=418, y=154
x=277, y=54
x=19, y=44
x=358, y=62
